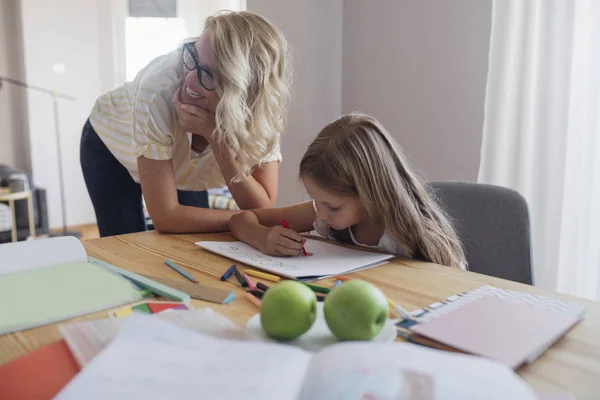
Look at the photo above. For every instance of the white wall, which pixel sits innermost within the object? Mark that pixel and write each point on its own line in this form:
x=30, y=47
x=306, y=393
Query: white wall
x=314, y=30
x=421, y=68
x=194, y=12
x=418, y=66
x=66, y=34
x=14, y=141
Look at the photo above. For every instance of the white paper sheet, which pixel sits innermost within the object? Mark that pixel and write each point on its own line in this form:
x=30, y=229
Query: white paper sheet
x=326, y=259
x=33, y=254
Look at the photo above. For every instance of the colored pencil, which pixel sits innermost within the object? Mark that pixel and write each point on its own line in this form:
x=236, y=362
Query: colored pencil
x=228, y=273
x=342, y=278
x=262, y=286
x=252, y=299
x=257, y=293
x=240, y=278
x=287, y=226
x=251, y=284
x=399, y=310
x=318, y=289
x=337, y=283
x=181, y=271
x=262, y=275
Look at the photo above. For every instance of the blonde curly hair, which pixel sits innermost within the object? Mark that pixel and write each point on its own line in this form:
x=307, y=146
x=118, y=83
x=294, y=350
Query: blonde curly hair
x=253, y=79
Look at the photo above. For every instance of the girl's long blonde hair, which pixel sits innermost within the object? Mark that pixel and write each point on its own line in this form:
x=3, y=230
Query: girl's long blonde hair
x=253, y=78
x=356, y=156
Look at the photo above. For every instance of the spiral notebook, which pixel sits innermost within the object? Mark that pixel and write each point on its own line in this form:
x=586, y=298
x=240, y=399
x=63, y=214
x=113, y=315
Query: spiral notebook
x=512, y=327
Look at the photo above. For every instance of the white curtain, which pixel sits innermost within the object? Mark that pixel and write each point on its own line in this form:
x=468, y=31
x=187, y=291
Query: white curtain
x=541, y=134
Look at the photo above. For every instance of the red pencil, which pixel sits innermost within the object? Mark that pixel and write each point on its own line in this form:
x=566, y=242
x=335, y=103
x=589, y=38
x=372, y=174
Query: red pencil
x=285, y=225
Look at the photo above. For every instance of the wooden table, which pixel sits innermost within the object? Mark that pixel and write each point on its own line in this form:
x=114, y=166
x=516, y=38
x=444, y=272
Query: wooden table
x=6, y=195
x=572, y=365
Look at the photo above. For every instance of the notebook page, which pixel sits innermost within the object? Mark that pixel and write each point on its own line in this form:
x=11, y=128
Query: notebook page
x=86, y=339
x=24, y=256
x=326, y=258
x=405, y=371
x=152, y=359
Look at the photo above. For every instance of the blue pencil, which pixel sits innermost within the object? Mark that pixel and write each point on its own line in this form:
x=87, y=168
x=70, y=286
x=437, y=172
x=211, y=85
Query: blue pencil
x=228, y=273
x=337, y=283
x=181, y=271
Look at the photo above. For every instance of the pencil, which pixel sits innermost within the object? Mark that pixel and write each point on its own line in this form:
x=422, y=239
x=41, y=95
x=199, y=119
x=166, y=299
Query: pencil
x=251, y=284
x=262, y=275
x=181, y=271
x=228, y=273
x=240, y=278
x=342, y=278
x=256, y=302
x=337, y=283
x=399, y=310
x=318, y=289
x=257, y=293
x=262, y=286
x=287, y=226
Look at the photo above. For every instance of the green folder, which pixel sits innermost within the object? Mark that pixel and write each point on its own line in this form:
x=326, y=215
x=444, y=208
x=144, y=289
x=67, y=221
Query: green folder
x=54, y=293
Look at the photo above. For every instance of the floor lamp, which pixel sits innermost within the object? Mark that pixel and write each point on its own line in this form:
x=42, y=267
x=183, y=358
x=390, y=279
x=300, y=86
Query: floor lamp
x=55, y=96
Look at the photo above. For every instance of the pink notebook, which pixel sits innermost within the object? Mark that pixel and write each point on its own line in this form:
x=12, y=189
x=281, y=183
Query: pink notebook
x=512, y=331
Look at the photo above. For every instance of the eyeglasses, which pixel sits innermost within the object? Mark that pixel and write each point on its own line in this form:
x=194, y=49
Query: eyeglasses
x=190, y=61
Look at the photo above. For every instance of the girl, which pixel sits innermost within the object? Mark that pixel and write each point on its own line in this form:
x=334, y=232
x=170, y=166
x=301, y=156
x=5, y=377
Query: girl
x=363, y=193
x=206, y=115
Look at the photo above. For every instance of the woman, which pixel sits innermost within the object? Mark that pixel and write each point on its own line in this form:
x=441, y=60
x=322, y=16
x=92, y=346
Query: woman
x=207, y=115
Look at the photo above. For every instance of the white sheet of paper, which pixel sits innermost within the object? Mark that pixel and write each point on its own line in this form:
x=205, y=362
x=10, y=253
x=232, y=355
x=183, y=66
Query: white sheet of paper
x=327, y=259
x=33, y=254
x=152, y=359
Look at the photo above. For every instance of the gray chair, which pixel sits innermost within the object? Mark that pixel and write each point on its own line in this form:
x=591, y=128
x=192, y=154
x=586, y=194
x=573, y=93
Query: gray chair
x=493, y=225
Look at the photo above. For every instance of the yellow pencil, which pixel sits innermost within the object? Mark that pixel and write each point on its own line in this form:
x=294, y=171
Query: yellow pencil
x=262, y=275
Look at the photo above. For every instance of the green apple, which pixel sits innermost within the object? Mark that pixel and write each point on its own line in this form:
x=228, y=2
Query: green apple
x=356, y=310
x=288, y=310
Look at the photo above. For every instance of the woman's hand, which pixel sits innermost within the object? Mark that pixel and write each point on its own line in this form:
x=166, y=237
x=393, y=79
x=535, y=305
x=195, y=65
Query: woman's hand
x=194, y=119
x=280, y=241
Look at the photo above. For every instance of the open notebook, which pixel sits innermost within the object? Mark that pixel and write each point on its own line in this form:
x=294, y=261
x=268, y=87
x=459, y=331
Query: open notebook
x=326, y=260
x=49, y=280
x=152, y=359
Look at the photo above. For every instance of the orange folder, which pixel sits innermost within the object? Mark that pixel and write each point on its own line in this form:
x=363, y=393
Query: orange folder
x=38, y=375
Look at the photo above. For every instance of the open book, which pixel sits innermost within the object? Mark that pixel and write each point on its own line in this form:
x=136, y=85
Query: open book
x=49, y=280
x=153, y=359
x=326, y=260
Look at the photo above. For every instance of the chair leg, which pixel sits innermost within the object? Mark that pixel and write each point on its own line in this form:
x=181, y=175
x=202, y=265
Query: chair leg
x=13, y=213
x=30, y=210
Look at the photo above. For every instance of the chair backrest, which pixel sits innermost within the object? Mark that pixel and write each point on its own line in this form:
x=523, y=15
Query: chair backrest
x=493, y=225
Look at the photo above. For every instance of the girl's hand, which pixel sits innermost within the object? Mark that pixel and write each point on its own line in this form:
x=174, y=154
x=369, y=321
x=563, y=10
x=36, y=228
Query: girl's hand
x=194, y=119
x=281, y=241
